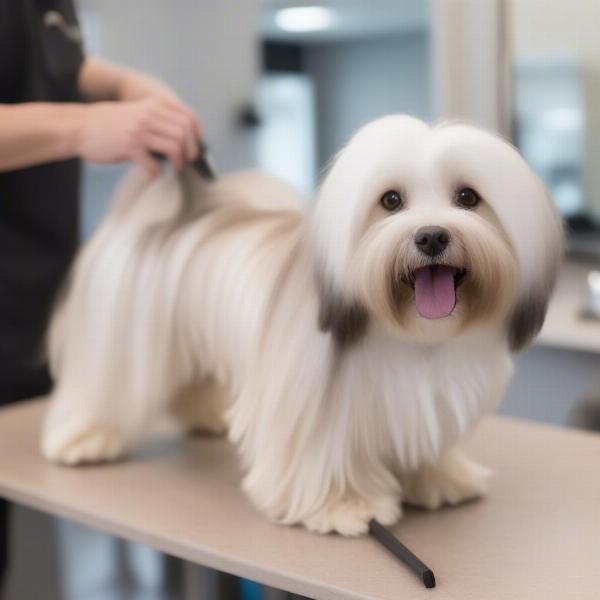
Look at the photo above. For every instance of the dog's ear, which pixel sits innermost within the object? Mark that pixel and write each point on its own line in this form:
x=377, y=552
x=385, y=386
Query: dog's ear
x=527, y=319
x=347, y=321
x=532, y=222
x=529, y=311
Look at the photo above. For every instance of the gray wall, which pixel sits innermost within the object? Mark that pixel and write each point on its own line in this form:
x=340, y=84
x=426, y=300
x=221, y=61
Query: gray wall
x=357, y=81
x=550, y=383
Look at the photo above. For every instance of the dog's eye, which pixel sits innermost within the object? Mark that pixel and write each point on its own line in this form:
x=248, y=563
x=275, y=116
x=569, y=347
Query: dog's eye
x=391, y=201
x=467, y=198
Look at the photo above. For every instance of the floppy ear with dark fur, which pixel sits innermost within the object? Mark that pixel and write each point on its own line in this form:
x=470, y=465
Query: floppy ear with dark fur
x=346, y=320
x=527, y=319
x=529, y=312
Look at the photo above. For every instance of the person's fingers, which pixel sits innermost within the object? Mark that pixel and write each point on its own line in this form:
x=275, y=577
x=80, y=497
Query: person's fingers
x=149, y=164
x=189, y=120
x=179, y=127
x=182, y=109
x=173, y=149
x=176, y=129
x=176, y=104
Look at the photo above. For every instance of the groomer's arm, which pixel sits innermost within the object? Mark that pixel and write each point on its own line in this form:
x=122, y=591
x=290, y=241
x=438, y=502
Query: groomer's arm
x=137, y=115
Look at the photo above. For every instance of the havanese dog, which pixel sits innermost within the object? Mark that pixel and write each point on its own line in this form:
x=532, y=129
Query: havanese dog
x=347, y=346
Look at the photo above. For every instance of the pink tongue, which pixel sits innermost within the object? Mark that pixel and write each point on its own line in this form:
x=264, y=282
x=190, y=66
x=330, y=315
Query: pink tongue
x=434, y=291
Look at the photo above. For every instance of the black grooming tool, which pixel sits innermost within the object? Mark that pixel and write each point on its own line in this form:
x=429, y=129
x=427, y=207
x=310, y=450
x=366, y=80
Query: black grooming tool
x=202, y=164
x=385, y=537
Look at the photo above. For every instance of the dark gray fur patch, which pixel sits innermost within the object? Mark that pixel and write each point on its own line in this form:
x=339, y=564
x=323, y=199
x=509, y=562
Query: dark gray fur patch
x=346, y=320
x=526, y=320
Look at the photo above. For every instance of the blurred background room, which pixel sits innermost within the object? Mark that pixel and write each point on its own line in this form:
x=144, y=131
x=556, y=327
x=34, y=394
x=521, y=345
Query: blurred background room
x=280, y=85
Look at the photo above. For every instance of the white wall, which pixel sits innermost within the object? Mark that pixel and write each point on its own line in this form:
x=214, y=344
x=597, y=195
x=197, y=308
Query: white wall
x=360, y=80
x=470, y=62
x=206, y=50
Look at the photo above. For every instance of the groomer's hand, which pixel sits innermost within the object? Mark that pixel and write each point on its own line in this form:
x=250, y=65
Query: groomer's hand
x=111, y=132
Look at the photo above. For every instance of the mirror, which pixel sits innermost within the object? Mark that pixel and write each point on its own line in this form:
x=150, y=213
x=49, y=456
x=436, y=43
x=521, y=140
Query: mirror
x=556, y=80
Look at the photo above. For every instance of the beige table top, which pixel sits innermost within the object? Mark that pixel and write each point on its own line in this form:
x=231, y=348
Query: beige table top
x=537, y=536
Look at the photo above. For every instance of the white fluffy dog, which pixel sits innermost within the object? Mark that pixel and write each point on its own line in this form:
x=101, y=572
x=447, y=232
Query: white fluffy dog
x=347, y=347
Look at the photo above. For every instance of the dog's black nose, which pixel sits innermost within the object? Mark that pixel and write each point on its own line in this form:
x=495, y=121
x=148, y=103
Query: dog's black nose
x=432, y=240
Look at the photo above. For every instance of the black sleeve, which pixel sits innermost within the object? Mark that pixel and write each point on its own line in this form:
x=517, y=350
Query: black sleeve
x=13, y=39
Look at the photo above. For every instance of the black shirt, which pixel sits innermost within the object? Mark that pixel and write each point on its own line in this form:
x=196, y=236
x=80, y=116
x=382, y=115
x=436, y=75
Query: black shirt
x=40, y=58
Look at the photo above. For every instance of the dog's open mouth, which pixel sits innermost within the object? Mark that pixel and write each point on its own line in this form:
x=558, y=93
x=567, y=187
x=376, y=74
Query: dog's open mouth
x=435, y=289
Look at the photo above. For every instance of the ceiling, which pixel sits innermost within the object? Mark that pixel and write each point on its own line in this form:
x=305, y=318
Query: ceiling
x=353, y=19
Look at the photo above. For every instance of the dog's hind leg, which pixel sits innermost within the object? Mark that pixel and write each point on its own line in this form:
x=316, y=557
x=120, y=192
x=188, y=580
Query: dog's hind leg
x=115, y=345
x=105, y=402
x=101, y=413
x=201, y=407
x=78, y=431
x=73, y=444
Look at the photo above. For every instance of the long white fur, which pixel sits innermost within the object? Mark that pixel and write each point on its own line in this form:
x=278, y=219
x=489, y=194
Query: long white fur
x=209, y=292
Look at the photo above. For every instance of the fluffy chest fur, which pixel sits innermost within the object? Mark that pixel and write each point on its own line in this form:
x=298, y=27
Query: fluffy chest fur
x=425, y=397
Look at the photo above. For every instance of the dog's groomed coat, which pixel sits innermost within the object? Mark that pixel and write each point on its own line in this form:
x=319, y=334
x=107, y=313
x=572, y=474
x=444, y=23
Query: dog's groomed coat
x=347, y=346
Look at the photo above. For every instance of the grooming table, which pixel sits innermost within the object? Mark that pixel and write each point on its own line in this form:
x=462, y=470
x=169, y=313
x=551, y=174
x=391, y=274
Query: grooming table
x=537, y=536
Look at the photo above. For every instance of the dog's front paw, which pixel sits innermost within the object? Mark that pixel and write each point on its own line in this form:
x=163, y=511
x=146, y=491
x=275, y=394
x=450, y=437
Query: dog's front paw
x=91, y=444
x=351, y=516
x=455, y=479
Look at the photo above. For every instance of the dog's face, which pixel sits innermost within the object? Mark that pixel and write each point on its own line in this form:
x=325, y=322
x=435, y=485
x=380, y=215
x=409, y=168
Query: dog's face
x=428, y=231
